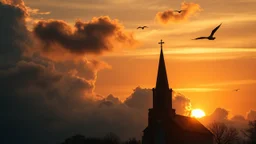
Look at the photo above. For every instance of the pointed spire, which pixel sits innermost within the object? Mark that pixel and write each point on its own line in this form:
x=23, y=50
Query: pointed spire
x=162, y=80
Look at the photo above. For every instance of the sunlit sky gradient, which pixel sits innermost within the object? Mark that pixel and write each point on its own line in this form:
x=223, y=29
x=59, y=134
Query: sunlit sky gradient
x=205, y=71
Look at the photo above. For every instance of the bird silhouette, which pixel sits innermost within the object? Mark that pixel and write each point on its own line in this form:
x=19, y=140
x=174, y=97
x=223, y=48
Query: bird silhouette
x=211, y=36
x=179, y=11
x=142, y=27
x=236, y=89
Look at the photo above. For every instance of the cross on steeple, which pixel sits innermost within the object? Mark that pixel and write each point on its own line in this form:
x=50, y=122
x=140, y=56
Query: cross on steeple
x=161, y=44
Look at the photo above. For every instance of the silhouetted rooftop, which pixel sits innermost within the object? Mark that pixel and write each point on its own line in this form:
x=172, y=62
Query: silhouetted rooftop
x=190, y=124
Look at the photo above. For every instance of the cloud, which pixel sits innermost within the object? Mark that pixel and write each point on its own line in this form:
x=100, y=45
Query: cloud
x=222, y=115
x=191, y=54
x=143, y=99
x=16, y=3
x=82, y=68
x=219, y=115
x=40, y=99
x=140, y=98
x=36, y=12
x=14, y=36
x=181, y=103
x=238, y=118
x=96, y=36
x=199, y=89
x=50, y=100
x=170, y=16
x=251, y=115
x=238, y=82
x=21, y=5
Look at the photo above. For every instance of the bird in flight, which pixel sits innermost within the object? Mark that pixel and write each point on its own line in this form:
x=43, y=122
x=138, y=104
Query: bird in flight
x=236, y=89
x=211, y=36
x=179, y=11
x=142, y=27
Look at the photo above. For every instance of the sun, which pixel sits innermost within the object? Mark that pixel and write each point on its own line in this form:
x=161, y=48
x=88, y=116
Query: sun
x=197, y=113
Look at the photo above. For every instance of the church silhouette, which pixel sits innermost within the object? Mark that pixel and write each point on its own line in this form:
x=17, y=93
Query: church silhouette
x=164, y=125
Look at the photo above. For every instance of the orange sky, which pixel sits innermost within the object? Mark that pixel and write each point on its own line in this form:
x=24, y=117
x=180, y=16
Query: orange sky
x=205, y=71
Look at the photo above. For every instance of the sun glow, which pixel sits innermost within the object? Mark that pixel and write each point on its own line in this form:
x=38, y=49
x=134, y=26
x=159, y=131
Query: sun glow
x=197, y=113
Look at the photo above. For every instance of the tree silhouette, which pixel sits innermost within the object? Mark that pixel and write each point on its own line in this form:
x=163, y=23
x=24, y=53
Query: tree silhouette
x=132, y=141
x=77, y=139
x=222, y=133
x=250, y=133
x=109, y=138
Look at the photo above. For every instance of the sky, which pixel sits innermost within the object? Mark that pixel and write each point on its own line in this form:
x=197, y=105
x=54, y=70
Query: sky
x=202, y=70
x=63, y=59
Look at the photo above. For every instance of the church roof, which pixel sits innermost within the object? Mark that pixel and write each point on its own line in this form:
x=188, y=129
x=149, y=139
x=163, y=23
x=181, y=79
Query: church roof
x=162, y=80
x=190, y=124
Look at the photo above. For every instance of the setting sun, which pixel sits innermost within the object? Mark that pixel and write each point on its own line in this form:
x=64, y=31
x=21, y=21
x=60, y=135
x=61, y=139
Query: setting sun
x=197, y=113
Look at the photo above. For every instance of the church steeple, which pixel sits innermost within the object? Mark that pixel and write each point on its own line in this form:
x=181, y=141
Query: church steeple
x=162, y=80
x=162, y=95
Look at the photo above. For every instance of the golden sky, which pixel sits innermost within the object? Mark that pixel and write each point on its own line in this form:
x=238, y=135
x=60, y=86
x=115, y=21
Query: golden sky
x=205, y=71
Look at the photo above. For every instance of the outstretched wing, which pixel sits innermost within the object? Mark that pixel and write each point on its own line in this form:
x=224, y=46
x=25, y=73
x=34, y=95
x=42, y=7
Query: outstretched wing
x=200, y=38
x=179, y=11
x=213, y=31
x=145, y=26
x=139, y=27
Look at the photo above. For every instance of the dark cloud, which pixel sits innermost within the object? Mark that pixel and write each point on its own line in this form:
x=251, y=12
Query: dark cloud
x=14, y=36
x=140, y=98
x=96, y=36
x=38, y=99
x=113, y=99
x=143, y=99
x=170, y=16
x=109, y=101
x=43, y=101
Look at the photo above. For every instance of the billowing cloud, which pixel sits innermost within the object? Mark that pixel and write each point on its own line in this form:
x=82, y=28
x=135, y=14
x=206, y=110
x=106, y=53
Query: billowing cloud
x=170, y=16
x=143, y=99
x=96, y=36
x=140, y=98
x=182, y=104
x=251, y=115
x=14, y=36
x=50, y=100
x=82, y=68
x=238, y=118
x=220, y=114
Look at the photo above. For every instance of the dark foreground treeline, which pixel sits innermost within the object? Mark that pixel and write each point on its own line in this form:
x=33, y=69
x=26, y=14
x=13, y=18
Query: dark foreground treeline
x=223, y=134
x=110, y=138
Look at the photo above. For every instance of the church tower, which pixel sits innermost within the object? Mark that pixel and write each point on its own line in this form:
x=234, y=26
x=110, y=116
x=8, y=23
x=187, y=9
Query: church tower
x=162, y=95
x=161, y=114
x=164, y=125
